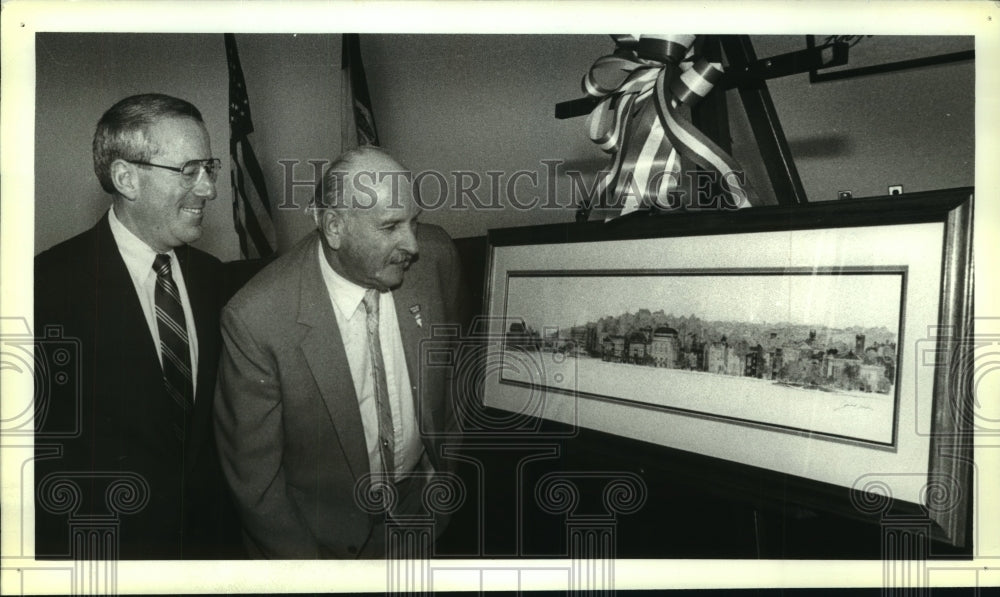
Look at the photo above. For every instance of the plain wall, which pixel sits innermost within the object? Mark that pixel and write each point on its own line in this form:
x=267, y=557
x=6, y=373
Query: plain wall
x=913, y=127
x=472, y=103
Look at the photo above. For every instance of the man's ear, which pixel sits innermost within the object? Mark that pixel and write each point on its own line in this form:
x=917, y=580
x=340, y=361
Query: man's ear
x=125, y=177
x=331, y=225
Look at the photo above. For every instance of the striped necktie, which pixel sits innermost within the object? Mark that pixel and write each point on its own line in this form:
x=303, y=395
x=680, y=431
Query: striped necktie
x=386, y=438
x=174, y=349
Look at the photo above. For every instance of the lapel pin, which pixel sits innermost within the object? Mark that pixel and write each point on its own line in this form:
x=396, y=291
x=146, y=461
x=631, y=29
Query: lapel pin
x=415, y=310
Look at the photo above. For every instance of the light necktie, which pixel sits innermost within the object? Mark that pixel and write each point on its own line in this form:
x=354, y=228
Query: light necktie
x=386, y=438
x=174, y=349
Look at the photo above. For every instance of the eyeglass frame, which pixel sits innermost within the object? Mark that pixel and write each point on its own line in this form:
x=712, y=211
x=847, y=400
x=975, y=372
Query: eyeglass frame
x=212, y=176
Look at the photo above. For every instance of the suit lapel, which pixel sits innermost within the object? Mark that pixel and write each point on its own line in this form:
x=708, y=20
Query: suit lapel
x=203, y=308
x=118, y=303
x=408, y=297
x=128, y=382
x=324, y=352
x=409, y=331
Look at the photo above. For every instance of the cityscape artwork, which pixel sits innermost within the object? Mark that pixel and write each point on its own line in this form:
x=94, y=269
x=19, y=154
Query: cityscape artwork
x=811, y=351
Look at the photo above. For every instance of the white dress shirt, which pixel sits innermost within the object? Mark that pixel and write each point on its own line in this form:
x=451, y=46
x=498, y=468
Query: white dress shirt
x=346, y=298
x=138, y=257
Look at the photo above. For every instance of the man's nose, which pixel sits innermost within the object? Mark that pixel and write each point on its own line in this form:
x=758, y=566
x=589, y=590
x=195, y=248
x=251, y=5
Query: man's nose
x=204, y=187
x=409, y=242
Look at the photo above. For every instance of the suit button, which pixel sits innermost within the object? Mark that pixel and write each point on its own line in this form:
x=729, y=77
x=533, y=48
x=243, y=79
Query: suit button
x=385, y=442
x=352, y=550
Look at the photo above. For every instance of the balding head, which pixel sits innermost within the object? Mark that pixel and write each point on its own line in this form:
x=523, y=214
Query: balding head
x=351, y=180
x=366, y=213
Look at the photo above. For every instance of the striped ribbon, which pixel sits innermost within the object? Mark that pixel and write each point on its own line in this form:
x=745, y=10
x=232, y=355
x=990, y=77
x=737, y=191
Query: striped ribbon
x=649, y=139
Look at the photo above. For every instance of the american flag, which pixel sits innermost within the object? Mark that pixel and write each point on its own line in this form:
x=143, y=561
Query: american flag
x=251, y=206
x=358, y=126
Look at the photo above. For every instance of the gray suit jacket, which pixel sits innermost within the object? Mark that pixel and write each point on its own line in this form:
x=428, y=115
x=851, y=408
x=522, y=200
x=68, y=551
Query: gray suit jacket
x=287, y=419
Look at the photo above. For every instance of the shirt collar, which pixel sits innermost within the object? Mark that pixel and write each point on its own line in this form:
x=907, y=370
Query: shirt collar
x=138, y=256
x=346, y=295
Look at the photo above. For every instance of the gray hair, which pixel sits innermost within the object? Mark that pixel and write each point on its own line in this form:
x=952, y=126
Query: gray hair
x=123, y=131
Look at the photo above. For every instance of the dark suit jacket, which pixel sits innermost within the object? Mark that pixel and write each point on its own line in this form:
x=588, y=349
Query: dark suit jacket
x=287, y=418
x=111, y=420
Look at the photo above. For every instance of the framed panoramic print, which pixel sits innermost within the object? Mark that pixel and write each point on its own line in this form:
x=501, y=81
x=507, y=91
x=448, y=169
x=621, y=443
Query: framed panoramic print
x=822, y=342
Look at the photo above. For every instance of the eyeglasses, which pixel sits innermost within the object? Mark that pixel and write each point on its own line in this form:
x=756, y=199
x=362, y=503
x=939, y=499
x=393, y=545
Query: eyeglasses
x=191, y=170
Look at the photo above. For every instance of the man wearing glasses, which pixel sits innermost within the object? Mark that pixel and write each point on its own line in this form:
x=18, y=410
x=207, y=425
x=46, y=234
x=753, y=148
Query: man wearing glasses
x=126, y=463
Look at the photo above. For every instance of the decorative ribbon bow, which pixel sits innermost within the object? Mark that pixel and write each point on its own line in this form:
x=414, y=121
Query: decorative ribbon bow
x=647, y=139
